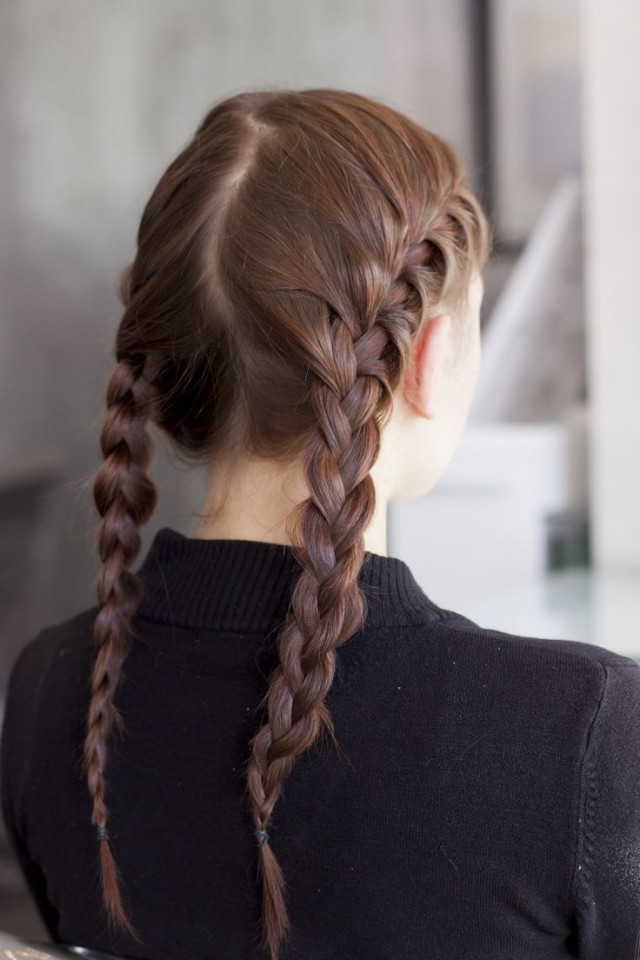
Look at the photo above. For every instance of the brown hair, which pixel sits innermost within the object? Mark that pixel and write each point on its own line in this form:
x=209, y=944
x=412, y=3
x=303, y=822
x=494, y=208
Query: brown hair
x=285, y=262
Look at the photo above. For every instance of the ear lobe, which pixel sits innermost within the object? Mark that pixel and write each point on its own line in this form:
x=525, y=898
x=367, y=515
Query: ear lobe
x=427, y=357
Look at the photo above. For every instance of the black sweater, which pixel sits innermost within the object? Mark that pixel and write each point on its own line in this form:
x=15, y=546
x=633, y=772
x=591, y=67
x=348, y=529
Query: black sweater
x=485, y=804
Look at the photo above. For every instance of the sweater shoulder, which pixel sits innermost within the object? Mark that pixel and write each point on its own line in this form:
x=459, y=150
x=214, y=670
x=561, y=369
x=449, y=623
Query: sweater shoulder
x=47, y=655
x=566, y=677
x=456, y=625
x=69, y=639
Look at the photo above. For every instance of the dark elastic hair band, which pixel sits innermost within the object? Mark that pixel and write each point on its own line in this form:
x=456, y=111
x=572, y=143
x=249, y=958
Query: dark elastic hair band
x=102, y=832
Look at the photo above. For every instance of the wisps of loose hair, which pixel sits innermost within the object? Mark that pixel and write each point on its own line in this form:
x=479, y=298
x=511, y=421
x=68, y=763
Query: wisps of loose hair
x=286, y=261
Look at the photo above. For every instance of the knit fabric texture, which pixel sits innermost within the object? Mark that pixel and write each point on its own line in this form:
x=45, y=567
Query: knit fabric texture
x=484, y=802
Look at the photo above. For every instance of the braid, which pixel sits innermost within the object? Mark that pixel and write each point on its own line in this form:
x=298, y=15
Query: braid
x=350, y=397
x=228, y=293
x=125, y=497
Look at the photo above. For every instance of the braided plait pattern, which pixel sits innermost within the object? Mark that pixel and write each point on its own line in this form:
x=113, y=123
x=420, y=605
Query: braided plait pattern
x=125, y=498
x=281, y=303
x=351, y=395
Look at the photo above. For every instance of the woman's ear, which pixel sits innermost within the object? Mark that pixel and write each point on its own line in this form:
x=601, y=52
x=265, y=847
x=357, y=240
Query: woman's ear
x=428, y=355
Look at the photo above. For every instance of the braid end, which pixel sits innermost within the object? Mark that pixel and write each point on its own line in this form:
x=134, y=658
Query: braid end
x=275, y=922
x=111, y=891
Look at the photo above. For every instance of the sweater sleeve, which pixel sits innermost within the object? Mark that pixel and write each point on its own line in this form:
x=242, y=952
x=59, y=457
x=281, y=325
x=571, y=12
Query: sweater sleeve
x=15, y=758
x=606, y=883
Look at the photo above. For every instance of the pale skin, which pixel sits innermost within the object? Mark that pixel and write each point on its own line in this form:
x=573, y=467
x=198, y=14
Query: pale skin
x=430, y=411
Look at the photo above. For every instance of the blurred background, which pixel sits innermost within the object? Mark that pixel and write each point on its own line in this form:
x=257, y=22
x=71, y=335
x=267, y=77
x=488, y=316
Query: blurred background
x=534, y=528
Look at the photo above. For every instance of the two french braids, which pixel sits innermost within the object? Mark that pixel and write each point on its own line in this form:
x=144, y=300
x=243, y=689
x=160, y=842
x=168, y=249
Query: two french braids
x=285, y=262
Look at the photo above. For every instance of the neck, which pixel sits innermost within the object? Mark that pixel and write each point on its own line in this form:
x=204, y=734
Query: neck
x=252, y=499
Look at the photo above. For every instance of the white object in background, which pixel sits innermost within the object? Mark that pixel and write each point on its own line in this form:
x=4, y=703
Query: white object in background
x=533, y=350
x=482, y=529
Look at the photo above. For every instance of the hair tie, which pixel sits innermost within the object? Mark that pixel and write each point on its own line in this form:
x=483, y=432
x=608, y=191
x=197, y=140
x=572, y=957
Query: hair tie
x=102, y=833
x=262, y=837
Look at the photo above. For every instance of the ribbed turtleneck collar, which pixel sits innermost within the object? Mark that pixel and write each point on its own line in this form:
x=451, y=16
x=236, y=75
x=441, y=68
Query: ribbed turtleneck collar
x=245, y=585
